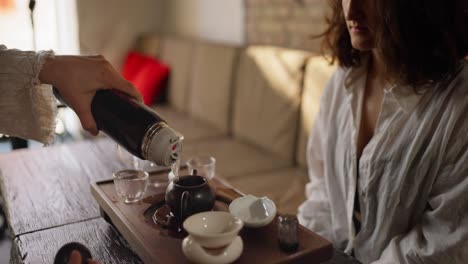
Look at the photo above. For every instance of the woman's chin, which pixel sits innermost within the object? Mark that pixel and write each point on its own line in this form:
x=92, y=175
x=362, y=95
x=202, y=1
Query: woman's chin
x=362, y=44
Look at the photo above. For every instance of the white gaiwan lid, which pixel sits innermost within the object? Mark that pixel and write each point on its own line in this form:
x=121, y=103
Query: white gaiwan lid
x=253, y=211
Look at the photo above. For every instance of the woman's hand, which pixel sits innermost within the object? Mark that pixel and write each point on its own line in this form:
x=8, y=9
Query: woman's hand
x=77, y=78
x=75, y=258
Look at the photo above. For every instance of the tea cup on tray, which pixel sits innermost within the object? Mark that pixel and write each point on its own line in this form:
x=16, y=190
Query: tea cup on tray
x=130, y=185
x=213, y=237
x=253, y=211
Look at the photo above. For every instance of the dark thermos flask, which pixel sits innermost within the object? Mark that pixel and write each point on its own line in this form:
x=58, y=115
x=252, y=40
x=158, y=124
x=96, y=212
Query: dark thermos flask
x=136, y=127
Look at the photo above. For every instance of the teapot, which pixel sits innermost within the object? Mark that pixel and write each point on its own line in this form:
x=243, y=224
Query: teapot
x=188, y=195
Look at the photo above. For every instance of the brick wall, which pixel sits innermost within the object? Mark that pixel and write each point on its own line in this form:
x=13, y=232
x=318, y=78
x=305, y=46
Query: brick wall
x=286, y=23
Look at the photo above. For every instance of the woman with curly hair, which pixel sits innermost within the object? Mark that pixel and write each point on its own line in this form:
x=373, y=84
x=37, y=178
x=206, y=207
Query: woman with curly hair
x=388, y=154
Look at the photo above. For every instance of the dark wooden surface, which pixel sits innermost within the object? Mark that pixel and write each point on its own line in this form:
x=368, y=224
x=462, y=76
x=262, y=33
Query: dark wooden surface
x=47, y=187
x=103, y=241
x=153, y=242
x=48, y=202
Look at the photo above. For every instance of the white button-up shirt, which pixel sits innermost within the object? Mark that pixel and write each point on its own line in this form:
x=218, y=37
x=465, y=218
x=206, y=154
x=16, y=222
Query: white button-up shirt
x=413, y=173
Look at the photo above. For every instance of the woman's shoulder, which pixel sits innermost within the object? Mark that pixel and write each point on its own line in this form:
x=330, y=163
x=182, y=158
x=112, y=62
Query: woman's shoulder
x=451, y=96
x=340, y=74
x=451, y=88
x=457, y=84
x=337, y=78
x=461, y=74
x=341, y=80
x=334, y=85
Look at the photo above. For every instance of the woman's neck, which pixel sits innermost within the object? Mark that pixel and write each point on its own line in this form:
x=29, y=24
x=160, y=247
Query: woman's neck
x=376, y=70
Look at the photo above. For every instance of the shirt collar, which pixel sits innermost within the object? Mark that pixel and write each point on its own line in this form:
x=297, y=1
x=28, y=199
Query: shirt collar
x=405, y=95
x=355, y=77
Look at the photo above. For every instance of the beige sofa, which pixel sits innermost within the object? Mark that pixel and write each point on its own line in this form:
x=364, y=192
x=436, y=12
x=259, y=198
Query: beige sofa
x=250, y=107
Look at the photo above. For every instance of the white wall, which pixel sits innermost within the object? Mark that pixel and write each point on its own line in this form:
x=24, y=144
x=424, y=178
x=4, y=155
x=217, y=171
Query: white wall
x=54, y=23
x=214, y=20
x=111, y=27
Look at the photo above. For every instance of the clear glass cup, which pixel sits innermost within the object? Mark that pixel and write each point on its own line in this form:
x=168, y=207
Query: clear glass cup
x=132, y=162
x=130, y=185
x=204, y=164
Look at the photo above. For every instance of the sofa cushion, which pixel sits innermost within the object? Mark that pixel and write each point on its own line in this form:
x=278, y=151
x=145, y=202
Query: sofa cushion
x=267, y=96
x=147, y=74
x=284, y=186
x=317, y=73
x=233, y=157
x=192, y=128
x=211, y=83
x=177, y=53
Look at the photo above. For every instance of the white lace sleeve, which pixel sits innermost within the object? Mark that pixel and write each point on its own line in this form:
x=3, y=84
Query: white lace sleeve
x=27, y=107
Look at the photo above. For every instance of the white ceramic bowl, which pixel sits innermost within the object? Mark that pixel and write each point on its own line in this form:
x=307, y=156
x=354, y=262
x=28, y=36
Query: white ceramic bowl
x=213, y=229
x=197, y=254
x=253, y=211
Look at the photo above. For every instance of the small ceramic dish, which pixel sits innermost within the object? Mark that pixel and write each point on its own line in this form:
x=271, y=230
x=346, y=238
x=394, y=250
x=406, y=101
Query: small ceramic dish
x=213, y=229
x=253, y=211
x=198, y=254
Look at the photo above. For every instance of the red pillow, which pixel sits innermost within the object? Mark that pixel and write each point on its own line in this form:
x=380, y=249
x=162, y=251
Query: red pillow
x=147, y=74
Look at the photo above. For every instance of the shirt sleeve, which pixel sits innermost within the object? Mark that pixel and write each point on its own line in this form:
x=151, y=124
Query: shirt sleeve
x=441, y=236
x=27, y=107
x=315, y=212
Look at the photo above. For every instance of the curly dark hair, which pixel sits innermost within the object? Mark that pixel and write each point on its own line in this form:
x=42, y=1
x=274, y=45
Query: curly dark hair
x=421, y=41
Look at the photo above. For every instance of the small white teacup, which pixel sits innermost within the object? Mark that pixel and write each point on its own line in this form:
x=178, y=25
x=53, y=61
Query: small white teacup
x=213, y=229
x=253, y=211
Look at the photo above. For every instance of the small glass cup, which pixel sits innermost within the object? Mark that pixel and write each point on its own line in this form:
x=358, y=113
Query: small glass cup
x=287, y=232
x=132, y=162
x=205, y=166
x=130, y=185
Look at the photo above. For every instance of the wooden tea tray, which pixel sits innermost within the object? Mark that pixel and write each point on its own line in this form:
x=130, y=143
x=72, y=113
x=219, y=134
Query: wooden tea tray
x=156, y=244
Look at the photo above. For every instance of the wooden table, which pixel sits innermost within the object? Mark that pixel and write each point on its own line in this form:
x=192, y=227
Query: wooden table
x=104, y=242
x=48, y=202
x=48, y=187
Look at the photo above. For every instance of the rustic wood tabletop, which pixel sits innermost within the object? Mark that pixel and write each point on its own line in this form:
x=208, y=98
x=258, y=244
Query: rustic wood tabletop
x=48, y=187
x=48, y=202
x=103, y=241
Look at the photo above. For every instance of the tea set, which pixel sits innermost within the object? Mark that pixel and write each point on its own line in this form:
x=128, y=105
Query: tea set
x=213, y=236
x=253, y=211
